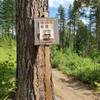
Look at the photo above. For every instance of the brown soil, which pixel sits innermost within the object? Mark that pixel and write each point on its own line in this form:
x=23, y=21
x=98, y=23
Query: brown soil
x=67, y=88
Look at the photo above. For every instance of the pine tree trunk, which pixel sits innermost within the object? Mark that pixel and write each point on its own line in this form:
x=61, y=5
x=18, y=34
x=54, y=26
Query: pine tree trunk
x=34, y=79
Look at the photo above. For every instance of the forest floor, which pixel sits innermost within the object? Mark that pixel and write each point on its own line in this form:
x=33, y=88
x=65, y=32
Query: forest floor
x=67, y=88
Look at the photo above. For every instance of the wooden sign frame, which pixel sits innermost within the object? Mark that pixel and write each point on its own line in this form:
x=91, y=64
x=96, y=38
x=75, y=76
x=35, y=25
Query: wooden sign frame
x=46, y=31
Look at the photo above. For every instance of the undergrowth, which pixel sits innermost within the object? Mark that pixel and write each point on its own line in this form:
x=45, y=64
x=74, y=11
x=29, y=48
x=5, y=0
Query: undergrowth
x=70, y=63
x=7, y=78
x=7, y=67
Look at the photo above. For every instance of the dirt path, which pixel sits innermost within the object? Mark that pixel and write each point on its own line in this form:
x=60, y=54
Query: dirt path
x=69, y=89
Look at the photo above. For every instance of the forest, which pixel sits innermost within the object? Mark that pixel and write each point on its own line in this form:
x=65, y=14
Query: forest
x=78, y=54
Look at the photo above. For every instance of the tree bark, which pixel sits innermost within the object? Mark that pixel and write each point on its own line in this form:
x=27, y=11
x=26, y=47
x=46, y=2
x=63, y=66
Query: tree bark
x=34, y=79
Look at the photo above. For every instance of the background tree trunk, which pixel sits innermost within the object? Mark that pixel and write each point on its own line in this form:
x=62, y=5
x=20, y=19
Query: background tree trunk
x=98, y=26
x=32, y=73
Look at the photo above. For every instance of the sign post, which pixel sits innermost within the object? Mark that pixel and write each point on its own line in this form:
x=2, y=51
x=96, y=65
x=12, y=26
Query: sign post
x=48, y=73
x=46, y=33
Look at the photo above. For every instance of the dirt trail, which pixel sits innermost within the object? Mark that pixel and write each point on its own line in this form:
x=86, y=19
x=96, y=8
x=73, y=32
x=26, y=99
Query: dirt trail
x=69, y=89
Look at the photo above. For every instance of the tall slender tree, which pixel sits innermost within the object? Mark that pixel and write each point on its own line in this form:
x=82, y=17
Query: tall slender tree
x=73, y=18
x=70, y=26
x=97, y=13
x=61, y=15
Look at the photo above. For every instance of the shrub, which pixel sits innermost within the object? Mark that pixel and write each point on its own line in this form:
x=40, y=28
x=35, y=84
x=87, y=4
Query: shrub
x=85, y=69
x=7, y=78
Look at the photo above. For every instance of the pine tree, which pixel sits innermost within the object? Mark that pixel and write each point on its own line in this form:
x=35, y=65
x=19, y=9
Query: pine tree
x=7, y=15
x=32, y=75
x=61, y=15
x=95, y=4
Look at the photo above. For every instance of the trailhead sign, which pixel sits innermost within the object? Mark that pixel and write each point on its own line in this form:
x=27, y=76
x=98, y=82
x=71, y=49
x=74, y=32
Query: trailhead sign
x=46, y=31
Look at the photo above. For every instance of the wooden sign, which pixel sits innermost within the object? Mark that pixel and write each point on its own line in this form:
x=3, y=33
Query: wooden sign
x=46, y=31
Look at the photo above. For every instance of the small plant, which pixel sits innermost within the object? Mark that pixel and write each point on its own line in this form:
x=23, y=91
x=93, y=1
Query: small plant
x=7, y=78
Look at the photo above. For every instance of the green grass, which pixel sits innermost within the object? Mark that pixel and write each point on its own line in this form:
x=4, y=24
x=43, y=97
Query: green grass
x=7, y=47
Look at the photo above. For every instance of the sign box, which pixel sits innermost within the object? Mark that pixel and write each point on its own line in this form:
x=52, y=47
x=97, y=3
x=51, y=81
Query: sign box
x=46, y=31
